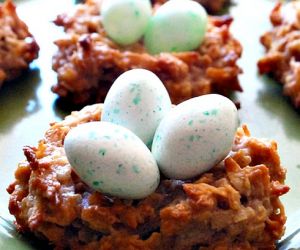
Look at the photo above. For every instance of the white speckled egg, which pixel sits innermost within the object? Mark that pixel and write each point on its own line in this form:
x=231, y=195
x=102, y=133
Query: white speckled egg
x=125, y=21
x=195, y=136
x=112, y=160
x=137, y=100
x=178, y=25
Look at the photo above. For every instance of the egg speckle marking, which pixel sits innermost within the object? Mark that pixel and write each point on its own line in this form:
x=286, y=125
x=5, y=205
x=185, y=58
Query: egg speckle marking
x=136, y=169
x=102, y=152
x=120, y=169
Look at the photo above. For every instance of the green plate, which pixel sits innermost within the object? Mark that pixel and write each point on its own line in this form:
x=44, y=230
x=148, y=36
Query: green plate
x=27, y=106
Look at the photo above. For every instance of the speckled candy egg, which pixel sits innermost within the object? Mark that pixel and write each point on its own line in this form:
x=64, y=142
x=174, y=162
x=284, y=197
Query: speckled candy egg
x=125, y=21
x=111, y=159
x=137, y=100
x=195, y=136
x=178, y=25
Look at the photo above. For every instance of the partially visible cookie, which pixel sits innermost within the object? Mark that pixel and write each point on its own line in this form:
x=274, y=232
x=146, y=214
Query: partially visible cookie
x=18, y=48
x=282, y=45
x=88, y=61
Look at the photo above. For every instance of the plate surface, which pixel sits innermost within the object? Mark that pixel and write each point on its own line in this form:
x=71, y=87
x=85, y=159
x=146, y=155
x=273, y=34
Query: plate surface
x=27, y=106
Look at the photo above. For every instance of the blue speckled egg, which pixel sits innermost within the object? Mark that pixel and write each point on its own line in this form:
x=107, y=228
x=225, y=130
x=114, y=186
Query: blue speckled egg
x=137, y=100
x=195, y=136
x=178, y=25
x=125, y=21
x=112, y=160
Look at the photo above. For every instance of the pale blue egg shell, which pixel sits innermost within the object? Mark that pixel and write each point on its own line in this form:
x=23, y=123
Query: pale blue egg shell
x=137, y=100
x=178, y=25
x=125, y=21
x=112, y=160
x=195, y=136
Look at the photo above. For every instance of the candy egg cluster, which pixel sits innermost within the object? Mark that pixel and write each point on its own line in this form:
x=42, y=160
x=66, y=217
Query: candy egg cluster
x=177, y=25
x=113, y=155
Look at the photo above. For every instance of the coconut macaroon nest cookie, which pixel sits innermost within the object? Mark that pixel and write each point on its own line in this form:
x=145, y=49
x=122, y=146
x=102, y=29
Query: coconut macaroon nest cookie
x=282, y=43
x=234, y=205
x=88, y=60
x=18, y=48
x=137, y=172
